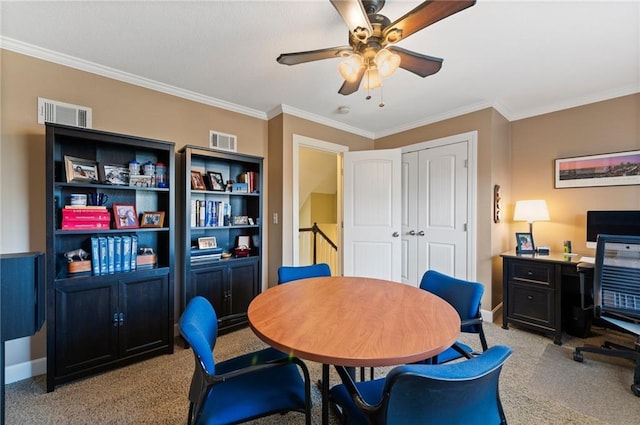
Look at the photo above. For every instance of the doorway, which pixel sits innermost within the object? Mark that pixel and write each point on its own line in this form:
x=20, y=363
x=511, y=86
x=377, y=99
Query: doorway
x=317, y=202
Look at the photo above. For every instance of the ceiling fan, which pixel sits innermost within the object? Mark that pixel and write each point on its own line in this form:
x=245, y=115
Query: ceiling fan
x=370, y=52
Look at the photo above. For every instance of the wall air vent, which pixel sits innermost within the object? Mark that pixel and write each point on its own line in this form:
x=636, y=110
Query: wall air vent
x=63, y=113
x=222, y=141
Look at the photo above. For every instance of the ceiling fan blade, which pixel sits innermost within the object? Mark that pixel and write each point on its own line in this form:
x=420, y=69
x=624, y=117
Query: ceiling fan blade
x=354, y=15
x=426, y=14
x=417, y=63
x=312, y=55
x=352, y=87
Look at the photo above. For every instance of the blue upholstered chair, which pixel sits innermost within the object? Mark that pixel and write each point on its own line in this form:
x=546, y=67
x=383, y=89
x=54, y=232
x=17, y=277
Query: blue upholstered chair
x=289, y=273
x=465, y=297
x=464, y=392
x=242, y=388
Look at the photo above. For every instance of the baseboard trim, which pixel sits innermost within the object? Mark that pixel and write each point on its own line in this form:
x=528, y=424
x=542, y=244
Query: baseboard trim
x=25, y=370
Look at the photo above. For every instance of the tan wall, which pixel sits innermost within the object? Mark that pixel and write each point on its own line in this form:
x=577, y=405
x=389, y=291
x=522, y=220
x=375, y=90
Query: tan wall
x=603, y=127
x=323, y=208
x=117, y=107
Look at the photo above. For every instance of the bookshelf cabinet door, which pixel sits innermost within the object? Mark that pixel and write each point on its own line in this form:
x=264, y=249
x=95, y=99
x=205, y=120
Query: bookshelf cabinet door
x=86, y=335
x=143, y=304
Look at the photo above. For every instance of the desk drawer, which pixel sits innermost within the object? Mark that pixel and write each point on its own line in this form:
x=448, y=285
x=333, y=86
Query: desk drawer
x=531, y=272
x=531, y=304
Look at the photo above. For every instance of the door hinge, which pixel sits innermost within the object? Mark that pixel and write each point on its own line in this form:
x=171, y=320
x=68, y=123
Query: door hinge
x=466, y=163
x=464, y=227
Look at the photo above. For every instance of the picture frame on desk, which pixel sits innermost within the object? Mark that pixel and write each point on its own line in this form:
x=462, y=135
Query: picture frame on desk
x=524, y=243
x=207, y=242
x=152, y=219
x=610, y=169
x=125, y=216
x=80, y=170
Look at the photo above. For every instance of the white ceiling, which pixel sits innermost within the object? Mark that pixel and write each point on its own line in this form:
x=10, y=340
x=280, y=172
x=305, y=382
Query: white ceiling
x=522, y=57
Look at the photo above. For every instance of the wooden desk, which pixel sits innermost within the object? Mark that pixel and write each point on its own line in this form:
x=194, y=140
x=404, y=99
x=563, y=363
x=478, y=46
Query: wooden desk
x=353, y=322
x=537, y=288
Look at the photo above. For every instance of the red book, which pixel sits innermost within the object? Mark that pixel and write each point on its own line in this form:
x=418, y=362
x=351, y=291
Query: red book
x=86, y=215
x=85, y=225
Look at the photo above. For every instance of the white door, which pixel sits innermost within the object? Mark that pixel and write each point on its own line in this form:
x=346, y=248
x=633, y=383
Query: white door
x=442, y=210
x=372, y=222
x=410, y=218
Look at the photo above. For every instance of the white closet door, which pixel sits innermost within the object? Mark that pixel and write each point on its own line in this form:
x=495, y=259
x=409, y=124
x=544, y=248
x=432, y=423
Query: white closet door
x=409, y=269
x=442, y=210
x=372, y=183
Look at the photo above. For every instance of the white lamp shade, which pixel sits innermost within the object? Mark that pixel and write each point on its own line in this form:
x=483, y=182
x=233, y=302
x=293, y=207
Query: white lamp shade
x=531, y=210
x=372, y=78
x=350, y=68
x=387, y=62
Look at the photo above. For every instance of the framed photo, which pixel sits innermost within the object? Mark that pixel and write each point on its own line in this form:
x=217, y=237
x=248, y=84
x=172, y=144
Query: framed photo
x=140, y=180
x=114, y=174
x=217, y=183
x=240, y=220
x=243, y=242
x=208, y=242
x=80, y=170
x=197, y=182
x=152, y=219
x=611, y=169
x=524, y=243
x=125, y=216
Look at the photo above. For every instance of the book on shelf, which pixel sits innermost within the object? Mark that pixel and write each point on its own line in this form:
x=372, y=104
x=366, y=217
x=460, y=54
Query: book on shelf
x=111, y=255
x=117, y=251
x=103, y=254
x=85, y=215
x=195, y=252
x=95, y=255
x=86, y=207
x=134, y=252
x=126, y=253
x=205, y=258
x=85, y=225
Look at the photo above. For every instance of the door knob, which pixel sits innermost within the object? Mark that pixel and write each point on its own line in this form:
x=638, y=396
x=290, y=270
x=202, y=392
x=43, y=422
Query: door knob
x=421, y=233
x=395, y=234
x=411, y=232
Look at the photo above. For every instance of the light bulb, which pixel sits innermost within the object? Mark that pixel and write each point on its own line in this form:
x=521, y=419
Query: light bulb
x=349, y=68
x=387, y=62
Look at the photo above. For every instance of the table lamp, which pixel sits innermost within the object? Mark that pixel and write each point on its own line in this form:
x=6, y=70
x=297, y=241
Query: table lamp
x=530, y=211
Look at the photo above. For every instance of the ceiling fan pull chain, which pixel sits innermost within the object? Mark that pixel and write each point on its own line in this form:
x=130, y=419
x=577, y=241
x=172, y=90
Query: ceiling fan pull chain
x=381, y=104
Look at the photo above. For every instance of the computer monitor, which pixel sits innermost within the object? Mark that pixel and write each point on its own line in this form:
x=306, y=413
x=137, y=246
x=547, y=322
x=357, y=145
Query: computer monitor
x=621, y=222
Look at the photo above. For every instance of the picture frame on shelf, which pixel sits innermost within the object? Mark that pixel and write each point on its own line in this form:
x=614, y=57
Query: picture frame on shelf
x=125, y=216
x=114, y=174
x=80, y=170
x=207, y=242
x=610, y=169
x=197, y=182
x=524, y=243
x=239, y=220
x=152, y=219
x=217, y=183
x=139, y=180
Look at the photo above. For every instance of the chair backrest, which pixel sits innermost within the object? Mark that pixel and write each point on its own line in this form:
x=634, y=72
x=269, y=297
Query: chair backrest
x=290, y=273
x=198, y=325
x=463, y=295
x=455, y=393
x=616, y=282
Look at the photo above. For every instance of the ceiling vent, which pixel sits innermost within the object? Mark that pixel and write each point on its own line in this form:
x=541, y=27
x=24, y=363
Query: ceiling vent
x=63, y=113
x=222, y=141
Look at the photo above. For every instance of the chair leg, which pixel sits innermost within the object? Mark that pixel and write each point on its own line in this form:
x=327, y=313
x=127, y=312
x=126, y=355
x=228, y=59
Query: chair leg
x=483, y=339
x=615, y=350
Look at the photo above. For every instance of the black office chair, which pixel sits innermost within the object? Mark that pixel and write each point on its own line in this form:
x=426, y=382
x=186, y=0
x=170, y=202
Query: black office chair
x=465, y=297
x=616, y=297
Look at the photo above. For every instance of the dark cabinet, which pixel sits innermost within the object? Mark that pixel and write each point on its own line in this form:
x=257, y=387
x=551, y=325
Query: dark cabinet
x=100, y=320
x=232, y=281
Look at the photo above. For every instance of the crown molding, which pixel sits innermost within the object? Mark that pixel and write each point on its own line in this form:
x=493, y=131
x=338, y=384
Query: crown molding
x=290, y=110
x=104, y=71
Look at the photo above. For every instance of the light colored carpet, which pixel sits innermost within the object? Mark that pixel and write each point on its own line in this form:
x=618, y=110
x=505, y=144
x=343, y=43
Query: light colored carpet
x=540, y=384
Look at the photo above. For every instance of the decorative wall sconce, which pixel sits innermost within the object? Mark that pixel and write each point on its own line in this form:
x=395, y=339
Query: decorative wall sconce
x=497, y=206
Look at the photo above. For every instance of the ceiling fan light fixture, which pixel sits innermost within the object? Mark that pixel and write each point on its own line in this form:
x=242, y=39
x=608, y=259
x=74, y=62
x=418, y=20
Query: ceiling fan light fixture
x=387, y=62
x=350, y=68
x=372, y=78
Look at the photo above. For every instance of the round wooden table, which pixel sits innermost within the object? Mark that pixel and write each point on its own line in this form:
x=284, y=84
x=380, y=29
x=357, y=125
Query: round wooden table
x=353, y=322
